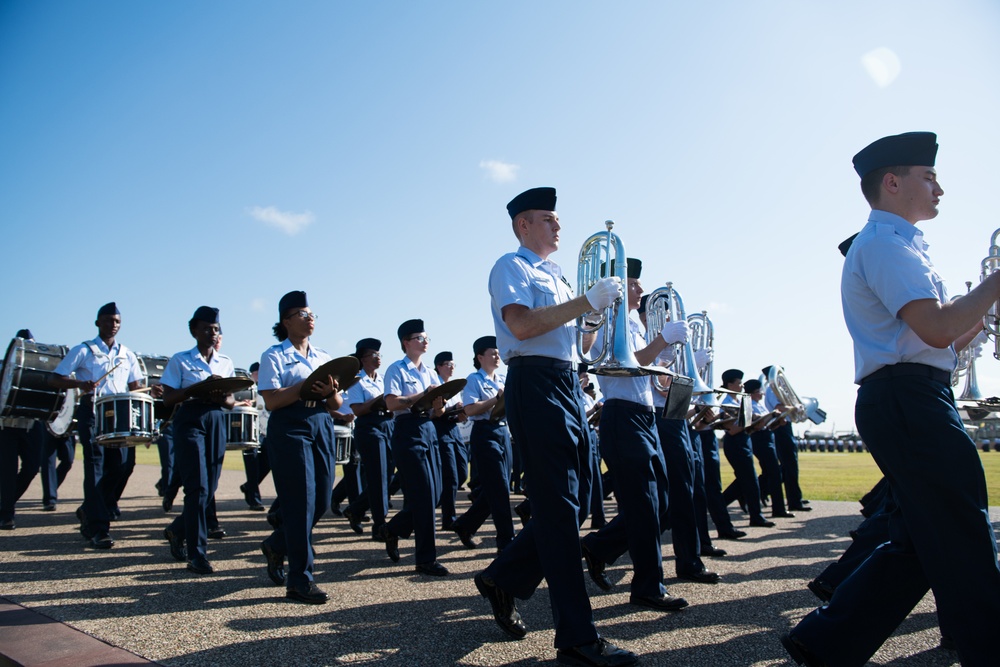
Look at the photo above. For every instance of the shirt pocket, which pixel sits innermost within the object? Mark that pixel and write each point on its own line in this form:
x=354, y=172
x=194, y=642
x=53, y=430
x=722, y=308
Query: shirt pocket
x=544, y=291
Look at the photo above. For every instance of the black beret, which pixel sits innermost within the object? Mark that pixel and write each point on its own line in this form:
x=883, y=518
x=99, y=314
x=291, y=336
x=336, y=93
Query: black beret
x=899, y=150
x=766, y=370
x=206, y=314
x=483, y=344
x=255, y=366
x=409, y=327
x=367, y=344
x=731, y=375
x=25, y=334
x=535, y=199
x=633, y=269
x=291, y=300
x=108, y=309
x=443, y=358
x=751, y=386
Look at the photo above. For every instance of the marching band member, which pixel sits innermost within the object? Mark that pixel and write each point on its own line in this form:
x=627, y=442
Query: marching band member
x=906, y=333
x=490, y=447
x=788, y=453
x=762, y=444
x=736, y=445
x=450, y=446
x=103, y=367
x=255, y=463
x=199, y=430
x=300, y=446
x=534, y=313
x=414, y=450
x=372, y=434
x=21, y=440
x=633, y=452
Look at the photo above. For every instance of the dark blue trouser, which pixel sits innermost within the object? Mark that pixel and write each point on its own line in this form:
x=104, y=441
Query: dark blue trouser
x=372, y=435
x=199, y=448
x=24, y=444
x=300, y=442
x=633, y=451
x=713, y=482
x=547, y=419
x=490, y=444
x=941, y=534
x=740, y=457
x=55, y=449
x=165, y=449
x=257, y=467
x=763, y=448
x=679, y=457
x=788, y=456
x=449, y=441
x=104, y=472
x=415, y=452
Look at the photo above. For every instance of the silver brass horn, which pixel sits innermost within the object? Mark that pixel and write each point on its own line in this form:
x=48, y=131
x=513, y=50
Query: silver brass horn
x=597, y=255
x=659, y=305
x=783, y=391
x=991, y=321
x=967, y=367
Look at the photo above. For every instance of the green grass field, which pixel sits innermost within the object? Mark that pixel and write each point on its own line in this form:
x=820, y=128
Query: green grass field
x=822, y=475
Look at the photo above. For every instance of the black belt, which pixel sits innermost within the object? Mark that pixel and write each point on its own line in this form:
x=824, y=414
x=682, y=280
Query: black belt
x=631, y=405
x=908, y=369
x=541, y=362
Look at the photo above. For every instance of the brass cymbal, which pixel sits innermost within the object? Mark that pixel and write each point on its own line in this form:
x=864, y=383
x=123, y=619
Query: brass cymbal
x=343, y=369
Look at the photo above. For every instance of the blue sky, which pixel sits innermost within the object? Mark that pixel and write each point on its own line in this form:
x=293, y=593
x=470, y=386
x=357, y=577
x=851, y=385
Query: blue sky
x=169, y=155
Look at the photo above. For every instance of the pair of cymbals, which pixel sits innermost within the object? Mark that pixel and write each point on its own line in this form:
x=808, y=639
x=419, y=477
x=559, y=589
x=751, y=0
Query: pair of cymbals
x=217, y=384
x=445, y=391
x=343, y=369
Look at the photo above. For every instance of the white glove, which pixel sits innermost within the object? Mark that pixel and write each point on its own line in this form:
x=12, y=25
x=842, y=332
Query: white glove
x=977, y=351
x=981, y=339
x=675, y=332
x=604, y=292
x=702, y=357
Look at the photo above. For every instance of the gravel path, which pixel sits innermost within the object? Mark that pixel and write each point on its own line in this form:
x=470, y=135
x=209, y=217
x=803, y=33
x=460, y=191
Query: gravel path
x=136, y=597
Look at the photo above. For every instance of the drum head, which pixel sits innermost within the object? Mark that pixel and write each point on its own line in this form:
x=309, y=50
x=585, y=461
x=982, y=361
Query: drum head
x=7, y=381
x=63, y=422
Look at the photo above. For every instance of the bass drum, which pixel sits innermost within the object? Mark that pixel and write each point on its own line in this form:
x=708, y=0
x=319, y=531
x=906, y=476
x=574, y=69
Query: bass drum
x=64, y=421
x=24, y=387
x=248, y=394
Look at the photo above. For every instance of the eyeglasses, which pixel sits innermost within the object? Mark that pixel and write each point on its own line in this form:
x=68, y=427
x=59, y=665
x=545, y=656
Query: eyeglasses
x=421, y=339
x=373, y=354
x=306, y=315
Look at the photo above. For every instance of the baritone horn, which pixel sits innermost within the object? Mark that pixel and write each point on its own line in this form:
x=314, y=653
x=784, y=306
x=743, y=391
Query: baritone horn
x=798, y=409
x=661, y=303
x=991, y=321
x=601, y=253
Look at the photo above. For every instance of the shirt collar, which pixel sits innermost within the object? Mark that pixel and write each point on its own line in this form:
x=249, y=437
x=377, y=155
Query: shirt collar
x=903, y=227
x=286, y=348
x=537, y=262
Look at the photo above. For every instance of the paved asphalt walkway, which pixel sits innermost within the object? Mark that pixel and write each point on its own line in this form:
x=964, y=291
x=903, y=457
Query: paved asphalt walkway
x=63, y=604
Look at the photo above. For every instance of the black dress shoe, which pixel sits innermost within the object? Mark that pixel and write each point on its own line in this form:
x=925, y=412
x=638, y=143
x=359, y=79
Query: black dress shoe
x=353, y=521
x=663, y=603
x=7, y=524
x=601, y=653
x=176, y=545
x=49, y=507
x=800, y=508
x=595, y=568
x=434, y=568
x=504, y=610
x=376, y=534
x=466, y=538
x=391, y=542
x=275, y=564
x=731, y=534
x=335, y=510
x=159, y=487
x=761, y=523
x=703, y=577
x=257, y=507
x=800, y=654
x=101, y=541
x=200, y=566
x=274, y=520
x=311, y=594
x=216, y=533
x=81, y=517
x=821, y=589
x=712, y=552
x=782, y=515
x=597, y=524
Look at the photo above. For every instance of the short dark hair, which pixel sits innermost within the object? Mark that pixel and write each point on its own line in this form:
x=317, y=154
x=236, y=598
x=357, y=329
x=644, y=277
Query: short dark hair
x=871, y=183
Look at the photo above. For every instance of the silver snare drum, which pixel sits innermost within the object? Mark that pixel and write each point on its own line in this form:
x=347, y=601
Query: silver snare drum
x=243, y=430
x=344, y=449
x=123, y=420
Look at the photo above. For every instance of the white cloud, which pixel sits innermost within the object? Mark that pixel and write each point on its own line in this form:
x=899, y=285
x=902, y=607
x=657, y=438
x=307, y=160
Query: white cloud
x=718, y=307
x=258, y=305
x=882, y=65
x=499, y=172
x=290, y=223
